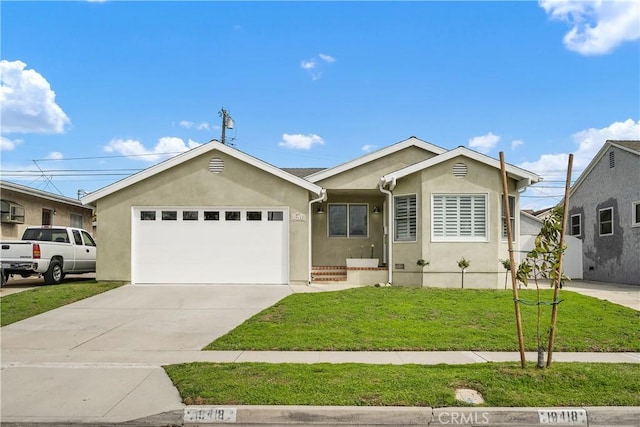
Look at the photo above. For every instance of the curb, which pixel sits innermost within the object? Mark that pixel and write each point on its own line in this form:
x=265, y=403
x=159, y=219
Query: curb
x=202, y=416
x=424, y=416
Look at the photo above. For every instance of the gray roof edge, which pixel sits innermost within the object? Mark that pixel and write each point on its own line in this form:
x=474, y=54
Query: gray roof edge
x=7, y=185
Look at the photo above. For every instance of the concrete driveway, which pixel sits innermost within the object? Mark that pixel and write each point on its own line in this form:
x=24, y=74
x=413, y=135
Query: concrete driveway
x=99, y=359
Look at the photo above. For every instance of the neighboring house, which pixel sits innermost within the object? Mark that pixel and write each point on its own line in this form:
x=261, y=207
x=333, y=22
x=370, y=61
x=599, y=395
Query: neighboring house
x=530, y=227
x=217, y=215
x=24, y=206
x=604, y=211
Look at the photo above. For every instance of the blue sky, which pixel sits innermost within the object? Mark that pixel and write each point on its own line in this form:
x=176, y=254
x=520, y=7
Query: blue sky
x=94, y=91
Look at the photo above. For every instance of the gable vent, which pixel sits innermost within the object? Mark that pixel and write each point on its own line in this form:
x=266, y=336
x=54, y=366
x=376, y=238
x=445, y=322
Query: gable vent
x=460, y=170
x=612, y=159
x=216, y=165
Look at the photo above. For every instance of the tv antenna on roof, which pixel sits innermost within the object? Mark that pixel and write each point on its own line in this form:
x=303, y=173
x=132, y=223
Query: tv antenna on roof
x=227, y=123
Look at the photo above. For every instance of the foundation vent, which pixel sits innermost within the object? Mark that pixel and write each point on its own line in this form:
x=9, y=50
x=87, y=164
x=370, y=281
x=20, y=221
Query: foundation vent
x=216, y=165
x=460, y=170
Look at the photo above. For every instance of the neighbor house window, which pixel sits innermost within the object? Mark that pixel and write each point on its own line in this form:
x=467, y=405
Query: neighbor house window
x=461, y=217
x=405, y=218
x=576, y=225
x=605, y=221
x=76, y=221
x=635, y=214
x=348, y=220
x=12, y=212
x=512, y=217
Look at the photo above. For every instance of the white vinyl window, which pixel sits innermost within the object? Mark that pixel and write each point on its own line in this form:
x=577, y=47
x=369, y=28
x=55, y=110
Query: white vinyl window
x=635, y=214
x=605, y=221
x=348, y=220
x=405, y=218
x=512, y=217
x=459, y=217
x=576, y=225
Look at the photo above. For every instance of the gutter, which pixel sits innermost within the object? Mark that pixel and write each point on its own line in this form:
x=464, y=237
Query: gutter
x=385, y=180
x=322, y=198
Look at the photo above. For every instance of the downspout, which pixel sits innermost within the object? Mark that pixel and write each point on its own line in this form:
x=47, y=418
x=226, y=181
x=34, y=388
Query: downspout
x=392, y=185
x=322, y=198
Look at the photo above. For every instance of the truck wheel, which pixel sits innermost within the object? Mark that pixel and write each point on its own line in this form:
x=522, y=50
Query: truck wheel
x=54, y=274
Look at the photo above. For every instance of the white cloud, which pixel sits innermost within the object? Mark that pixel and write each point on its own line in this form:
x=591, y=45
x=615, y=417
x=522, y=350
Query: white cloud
x=367, y=148
x=326, y=58
x=313, y=66
x=192, y=125
x=55, y=155
x=166, y=147
x=7, y=144
x=27, y=103
x=300, y=142
x=516, y=143
x=588, y=142
x=308, y=64
x=484, y=143
x=597, y=27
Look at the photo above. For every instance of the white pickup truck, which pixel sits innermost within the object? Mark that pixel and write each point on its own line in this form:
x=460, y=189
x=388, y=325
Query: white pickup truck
x=49, y=251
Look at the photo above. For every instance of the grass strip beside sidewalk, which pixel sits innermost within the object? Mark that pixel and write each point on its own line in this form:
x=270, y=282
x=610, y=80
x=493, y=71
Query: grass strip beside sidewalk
x=501, y=384
x=32, y=302
x=428, y=319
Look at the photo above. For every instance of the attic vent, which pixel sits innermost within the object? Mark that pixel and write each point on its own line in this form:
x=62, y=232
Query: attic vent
x=460, y=170
x=612, y=159
x=216, y=165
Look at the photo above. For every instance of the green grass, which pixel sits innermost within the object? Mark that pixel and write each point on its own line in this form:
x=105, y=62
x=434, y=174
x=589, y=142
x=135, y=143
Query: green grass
x=400, y=318
x=501, y=384
x=22, y=305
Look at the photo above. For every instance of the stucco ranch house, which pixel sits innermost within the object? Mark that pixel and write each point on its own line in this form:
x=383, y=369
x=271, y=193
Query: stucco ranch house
x=215, y=215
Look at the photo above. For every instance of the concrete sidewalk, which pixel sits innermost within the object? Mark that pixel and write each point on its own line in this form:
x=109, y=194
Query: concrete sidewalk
x=122, y=387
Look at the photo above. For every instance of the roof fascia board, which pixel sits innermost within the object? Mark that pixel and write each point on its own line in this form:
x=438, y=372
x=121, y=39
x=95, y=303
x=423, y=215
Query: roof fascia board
x=413, y=141
x=515, y=172
x=191, y=154
x=34, y=192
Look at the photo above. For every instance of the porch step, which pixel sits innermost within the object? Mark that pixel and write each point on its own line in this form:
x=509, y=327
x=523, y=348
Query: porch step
x=329, y=273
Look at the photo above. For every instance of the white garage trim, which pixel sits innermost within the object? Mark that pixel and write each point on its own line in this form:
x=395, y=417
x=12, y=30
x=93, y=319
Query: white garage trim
x=210, y=245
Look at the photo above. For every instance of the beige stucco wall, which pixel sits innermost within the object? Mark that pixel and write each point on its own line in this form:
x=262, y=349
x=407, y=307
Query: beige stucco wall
x=192, y=184
x=358, y=185
x=485, y=270
x=33, y=206
x=368, y=175
x=335, y=250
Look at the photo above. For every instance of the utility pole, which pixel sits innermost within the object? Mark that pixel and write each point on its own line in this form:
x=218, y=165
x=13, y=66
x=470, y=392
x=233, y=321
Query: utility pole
x=227, y=123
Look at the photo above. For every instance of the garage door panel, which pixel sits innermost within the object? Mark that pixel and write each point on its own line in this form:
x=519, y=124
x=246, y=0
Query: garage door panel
x=210, y=251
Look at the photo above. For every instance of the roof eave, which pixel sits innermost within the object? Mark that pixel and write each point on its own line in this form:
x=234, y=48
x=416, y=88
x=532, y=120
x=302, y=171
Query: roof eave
x=91, y=198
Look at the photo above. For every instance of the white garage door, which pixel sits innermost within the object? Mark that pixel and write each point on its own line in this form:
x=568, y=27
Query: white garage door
x=210, y=245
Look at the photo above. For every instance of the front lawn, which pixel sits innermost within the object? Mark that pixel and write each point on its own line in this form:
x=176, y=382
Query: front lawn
x=29, y=303
x=400, y=318
x=501, y=384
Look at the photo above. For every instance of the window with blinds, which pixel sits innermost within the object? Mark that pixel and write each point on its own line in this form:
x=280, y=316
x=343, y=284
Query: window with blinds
x=405, y=218
x=459, y=217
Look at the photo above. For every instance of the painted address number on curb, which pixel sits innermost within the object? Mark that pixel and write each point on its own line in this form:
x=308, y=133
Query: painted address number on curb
x=563, y=416
x=210, y=415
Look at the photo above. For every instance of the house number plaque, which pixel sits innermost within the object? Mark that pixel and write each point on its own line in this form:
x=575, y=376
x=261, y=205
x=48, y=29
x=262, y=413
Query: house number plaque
x=210, y=415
